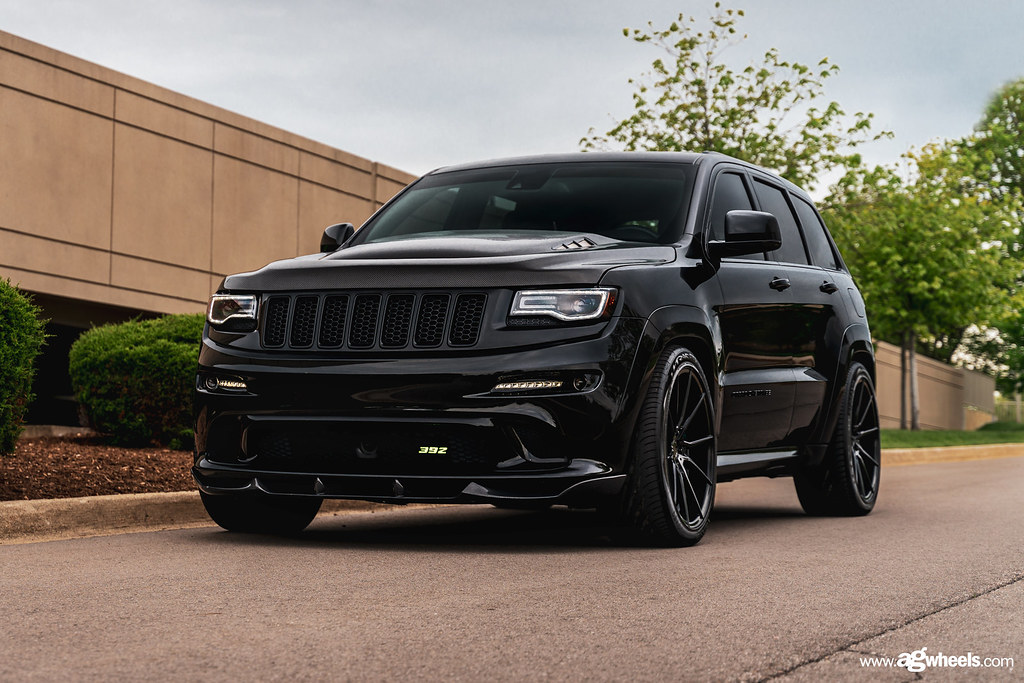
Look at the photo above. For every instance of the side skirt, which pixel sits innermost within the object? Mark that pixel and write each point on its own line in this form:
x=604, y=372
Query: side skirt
x=737, y=464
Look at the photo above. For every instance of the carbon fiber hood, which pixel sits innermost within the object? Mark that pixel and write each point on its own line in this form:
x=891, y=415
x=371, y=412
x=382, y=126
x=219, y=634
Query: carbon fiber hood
x=454, y=263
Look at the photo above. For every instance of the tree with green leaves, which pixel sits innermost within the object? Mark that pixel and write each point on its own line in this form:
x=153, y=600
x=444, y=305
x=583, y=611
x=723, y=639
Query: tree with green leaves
x=768, y=114
x=1000, y=139
x=930, y=250
x=998, y=148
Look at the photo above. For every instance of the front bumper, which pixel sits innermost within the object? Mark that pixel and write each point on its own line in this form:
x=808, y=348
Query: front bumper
x=411, y=428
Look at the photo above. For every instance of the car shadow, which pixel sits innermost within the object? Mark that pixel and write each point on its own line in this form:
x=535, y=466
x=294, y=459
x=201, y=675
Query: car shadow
x=482, y=527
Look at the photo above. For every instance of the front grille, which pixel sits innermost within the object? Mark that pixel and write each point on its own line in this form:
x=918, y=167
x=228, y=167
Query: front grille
x=372, y=320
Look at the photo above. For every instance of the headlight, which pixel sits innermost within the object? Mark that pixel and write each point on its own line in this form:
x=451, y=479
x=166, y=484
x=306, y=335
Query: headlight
x=569, y=305
x=232, y=312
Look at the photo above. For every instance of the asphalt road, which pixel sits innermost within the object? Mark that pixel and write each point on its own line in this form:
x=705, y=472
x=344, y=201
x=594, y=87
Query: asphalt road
x=473, y=593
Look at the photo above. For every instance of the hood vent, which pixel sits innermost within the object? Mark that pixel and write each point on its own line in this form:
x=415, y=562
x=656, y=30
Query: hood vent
x=581, y=243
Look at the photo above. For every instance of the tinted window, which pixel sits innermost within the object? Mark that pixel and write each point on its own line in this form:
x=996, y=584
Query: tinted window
x=730, y=195
x=628, y=202
x=814, y=233
x=773, y=200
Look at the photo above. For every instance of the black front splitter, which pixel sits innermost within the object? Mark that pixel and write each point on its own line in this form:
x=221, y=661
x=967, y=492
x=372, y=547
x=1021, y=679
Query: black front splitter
x=582, y=482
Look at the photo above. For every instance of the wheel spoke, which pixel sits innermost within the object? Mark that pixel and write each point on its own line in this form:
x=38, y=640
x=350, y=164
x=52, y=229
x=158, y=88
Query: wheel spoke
x=865, y=454
x=867, y=479
x=679, y=482
x=693, y=463
x=696, y=499
x=865, y=411
x=691, y=444
x=866, y=432
x=858, y=474
x=692, y=415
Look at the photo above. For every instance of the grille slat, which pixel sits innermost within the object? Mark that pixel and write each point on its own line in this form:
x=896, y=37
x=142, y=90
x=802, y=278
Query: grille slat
x=276, y=324
x=375, y=320
x=332, y=323
x=469, y=313
x=364, y=321
x=431, y=320
x=397, y=321
x=304, y=321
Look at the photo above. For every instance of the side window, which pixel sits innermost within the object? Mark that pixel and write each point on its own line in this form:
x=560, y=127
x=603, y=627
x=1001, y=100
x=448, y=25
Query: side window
x=773, y=200
x=814, y=232
x=730, y=194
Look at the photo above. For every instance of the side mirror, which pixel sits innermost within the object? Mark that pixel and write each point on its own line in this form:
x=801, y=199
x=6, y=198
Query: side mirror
x=335, y=236
x=747, y=232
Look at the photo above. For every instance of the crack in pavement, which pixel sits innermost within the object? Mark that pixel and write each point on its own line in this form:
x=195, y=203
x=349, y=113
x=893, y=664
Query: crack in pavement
x=849, y=647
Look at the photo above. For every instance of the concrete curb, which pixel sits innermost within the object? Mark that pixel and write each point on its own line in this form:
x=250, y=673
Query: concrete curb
x=32, y=521
x=918, y=456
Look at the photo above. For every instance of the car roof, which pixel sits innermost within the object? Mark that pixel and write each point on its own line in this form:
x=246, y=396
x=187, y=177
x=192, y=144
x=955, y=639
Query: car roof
x=606, y=157
x=673, y=157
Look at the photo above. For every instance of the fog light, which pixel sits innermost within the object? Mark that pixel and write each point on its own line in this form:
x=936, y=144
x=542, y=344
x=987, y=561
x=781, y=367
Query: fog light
x=528, y=385
x=216, y=383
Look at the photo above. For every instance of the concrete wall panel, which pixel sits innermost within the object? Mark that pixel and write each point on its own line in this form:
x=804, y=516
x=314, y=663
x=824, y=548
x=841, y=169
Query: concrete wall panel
x=55, y=170
x=255, y=212
x=319, y=207
x=163, y=119
x=259, y=150
x=159, y=278
x=53, y=83
x=325, y=172
x=387, y=188
x=59, y=285
x=949, y=397
x=28, y=252
x=162, y=198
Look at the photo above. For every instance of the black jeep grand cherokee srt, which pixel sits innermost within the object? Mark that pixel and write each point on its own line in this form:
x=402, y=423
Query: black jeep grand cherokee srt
x=598, y=330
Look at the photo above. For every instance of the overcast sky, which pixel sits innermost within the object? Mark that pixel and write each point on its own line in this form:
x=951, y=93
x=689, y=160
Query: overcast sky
x=421, y=84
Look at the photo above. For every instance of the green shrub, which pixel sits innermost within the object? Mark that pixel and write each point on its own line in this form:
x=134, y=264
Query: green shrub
x=21, y=336
x=134, y=380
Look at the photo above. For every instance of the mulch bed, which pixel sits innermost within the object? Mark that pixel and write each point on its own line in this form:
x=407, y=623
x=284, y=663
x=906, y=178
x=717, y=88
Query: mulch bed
x=73, y=466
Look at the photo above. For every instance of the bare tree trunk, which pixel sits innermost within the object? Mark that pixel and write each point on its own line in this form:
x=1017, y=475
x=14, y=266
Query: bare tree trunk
x=915, y=406
x=903, y=381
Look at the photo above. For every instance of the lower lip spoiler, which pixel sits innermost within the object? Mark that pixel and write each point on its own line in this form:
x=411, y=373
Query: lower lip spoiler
x=584, y=481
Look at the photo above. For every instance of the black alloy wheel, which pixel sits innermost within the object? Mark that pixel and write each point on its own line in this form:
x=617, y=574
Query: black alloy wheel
x=671, y=485
x=847, y=482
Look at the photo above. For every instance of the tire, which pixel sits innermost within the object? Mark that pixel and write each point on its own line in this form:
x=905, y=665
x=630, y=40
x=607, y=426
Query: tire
x=261, y=514
x=670, y=487
x=846, y=483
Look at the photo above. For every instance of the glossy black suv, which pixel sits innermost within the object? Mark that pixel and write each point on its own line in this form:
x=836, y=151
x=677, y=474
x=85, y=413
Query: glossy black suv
x=599, y=330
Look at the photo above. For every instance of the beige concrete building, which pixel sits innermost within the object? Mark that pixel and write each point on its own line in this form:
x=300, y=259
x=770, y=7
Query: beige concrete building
x=119, y=197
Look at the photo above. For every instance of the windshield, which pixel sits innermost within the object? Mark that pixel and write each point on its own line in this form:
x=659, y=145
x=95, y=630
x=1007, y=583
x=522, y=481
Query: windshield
x=625, y=201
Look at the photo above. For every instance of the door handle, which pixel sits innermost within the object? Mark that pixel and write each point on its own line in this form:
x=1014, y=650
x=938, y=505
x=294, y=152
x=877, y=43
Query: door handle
x=828, y=287
x=779, y=283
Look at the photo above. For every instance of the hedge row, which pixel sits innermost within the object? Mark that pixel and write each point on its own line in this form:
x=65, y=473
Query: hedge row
x=134, y=380
x=21, y=336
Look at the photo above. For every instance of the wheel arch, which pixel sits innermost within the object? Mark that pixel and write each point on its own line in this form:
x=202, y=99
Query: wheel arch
x=669, y=327
x=856, y=348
